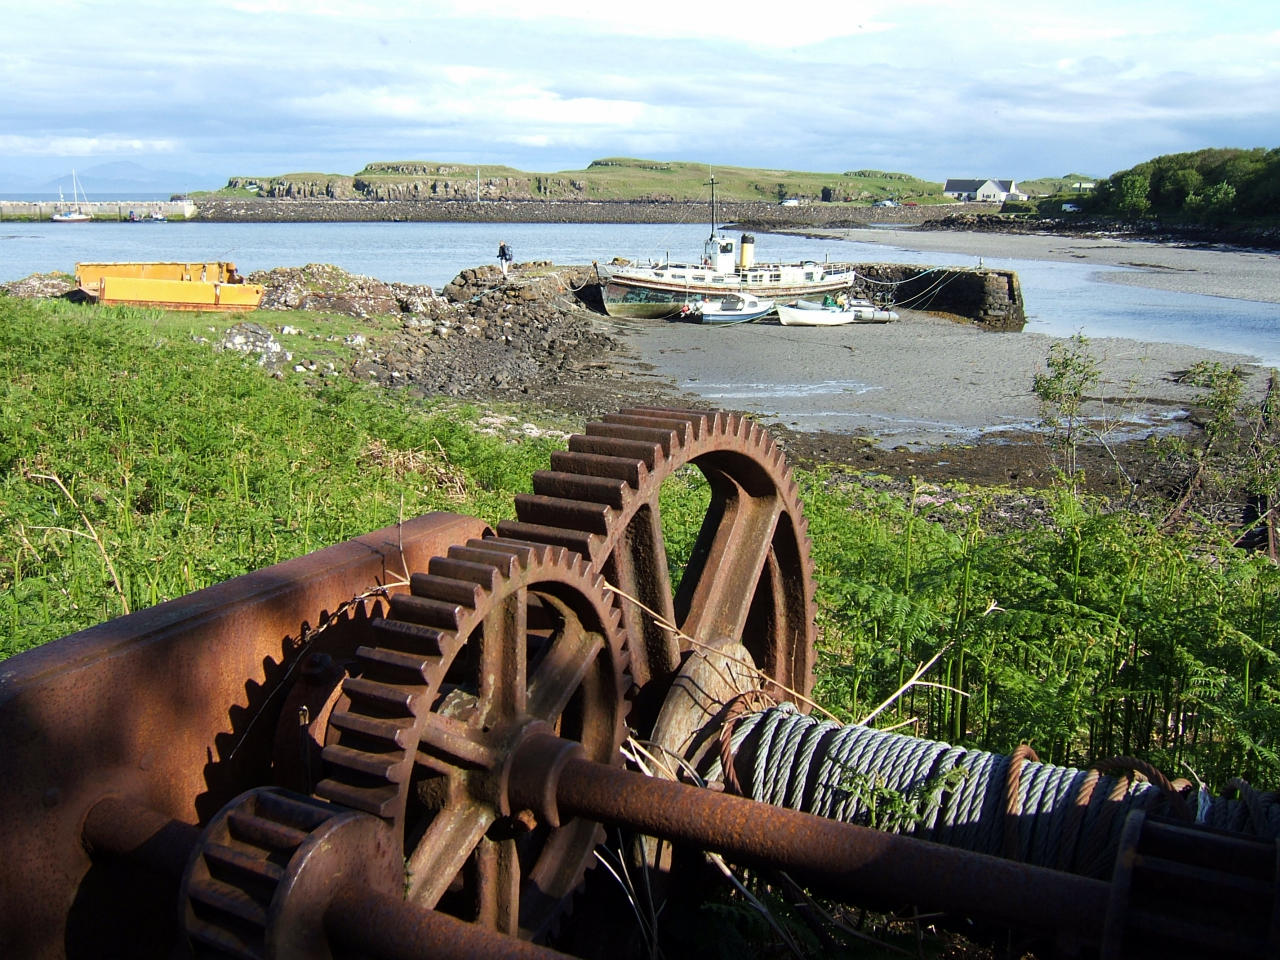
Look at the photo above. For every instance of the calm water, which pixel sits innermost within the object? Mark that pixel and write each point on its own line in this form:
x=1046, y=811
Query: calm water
x=1061, y=298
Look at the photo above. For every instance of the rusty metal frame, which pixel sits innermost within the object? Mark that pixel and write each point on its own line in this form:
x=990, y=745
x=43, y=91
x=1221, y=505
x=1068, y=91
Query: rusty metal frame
x=172, y=707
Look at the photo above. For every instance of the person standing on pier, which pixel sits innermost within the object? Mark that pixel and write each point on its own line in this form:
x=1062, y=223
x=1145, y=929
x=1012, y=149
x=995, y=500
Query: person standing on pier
x=504, y=256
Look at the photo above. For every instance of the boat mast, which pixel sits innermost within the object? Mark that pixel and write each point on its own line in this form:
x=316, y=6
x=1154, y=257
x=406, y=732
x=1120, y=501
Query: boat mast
x=713, y=207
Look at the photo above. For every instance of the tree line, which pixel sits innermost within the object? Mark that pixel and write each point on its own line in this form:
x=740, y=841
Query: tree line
x=1211, y=184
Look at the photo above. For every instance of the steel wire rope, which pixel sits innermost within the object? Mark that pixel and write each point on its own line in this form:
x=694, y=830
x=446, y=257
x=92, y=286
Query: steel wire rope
x=930, y=291
x=1013, y=806
x=895, y=283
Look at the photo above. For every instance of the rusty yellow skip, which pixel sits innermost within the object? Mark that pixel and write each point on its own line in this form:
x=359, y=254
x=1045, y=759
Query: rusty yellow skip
x=213, y=285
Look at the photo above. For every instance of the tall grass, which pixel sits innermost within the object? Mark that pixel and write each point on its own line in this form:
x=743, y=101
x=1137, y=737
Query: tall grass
x=1091, y=636
x=193, y=466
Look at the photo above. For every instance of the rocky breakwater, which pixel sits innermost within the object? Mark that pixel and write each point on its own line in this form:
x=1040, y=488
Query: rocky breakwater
x=483, y=336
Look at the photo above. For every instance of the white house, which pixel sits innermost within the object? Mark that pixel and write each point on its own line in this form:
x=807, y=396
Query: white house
x=983, y=191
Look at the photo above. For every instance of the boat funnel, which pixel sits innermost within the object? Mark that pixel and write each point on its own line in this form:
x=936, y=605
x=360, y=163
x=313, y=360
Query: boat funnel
x=747, y=252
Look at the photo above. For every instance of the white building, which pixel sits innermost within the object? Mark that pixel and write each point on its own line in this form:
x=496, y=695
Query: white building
x=983, y=191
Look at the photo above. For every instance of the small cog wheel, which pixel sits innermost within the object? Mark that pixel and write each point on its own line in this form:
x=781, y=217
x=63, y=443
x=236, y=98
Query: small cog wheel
x=258, y=884
x=498, y=639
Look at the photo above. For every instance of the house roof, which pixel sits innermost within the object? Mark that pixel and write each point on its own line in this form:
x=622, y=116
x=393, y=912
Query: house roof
x=973, y=186
x=963, y=186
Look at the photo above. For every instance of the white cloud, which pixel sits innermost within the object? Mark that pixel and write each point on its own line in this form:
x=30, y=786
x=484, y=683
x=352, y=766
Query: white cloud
x=915, y=85
x=35, y=146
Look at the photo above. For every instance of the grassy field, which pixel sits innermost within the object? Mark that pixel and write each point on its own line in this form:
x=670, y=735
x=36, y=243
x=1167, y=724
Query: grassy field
x=624, y=178
x=137, y=464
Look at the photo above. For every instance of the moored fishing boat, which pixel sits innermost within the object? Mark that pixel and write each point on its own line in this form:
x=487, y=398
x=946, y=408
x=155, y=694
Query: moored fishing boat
x=662, y=290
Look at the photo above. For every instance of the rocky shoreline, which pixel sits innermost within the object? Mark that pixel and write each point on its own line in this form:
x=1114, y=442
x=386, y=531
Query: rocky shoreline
x=762, y=216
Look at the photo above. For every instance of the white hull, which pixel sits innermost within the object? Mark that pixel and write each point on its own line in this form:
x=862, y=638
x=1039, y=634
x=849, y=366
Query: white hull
x=813, y=315
x=732, y=309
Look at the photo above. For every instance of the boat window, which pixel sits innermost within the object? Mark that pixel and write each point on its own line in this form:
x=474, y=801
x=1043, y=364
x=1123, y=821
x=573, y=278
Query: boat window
x=717, y=279
x=808, y=274
x=677, y=276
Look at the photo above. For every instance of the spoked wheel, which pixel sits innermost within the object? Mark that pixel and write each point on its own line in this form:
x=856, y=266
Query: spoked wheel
x=499, y=639
x=749, y=578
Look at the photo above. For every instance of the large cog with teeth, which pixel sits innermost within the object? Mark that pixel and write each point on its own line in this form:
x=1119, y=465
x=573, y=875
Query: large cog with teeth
x=749, y=578
x=497, y=639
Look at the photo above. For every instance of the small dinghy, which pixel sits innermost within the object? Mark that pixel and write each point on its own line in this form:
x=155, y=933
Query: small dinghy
x=832, y=313
x=732, y=308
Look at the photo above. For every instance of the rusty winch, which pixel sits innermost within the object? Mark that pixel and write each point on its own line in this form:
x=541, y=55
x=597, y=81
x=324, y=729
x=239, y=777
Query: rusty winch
x=408, y=744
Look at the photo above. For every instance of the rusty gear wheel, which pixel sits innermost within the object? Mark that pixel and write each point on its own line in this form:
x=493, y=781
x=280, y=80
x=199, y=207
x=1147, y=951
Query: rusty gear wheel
x=498, y=639
x=259, y=882
x=749, y=577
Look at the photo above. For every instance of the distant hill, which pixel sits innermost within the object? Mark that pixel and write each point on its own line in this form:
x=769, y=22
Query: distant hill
x=123, y=176
x=611, y=178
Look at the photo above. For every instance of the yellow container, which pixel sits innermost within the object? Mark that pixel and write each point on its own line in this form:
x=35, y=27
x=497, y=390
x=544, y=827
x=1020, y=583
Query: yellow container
x=177, y=294
x=212, y=271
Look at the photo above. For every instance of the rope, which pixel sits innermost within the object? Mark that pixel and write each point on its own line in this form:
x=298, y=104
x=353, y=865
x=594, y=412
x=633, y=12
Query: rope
x=895, y=283
x=1010, y=806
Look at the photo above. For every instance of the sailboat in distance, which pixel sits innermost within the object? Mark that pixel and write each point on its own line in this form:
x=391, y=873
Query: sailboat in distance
x=77, y=197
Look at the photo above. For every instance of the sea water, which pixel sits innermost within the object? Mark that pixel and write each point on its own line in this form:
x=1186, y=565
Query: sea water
x=1062, y=299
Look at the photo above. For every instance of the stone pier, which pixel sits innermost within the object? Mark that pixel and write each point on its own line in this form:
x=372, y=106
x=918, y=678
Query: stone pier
x=106, y=211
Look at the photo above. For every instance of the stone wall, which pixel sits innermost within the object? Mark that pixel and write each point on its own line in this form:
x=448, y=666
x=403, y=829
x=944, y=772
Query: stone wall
x=112, y=210
x=990, y=298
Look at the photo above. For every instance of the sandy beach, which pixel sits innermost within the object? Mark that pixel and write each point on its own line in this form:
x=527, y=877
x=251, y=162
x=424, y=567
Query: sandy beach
x=925, y=381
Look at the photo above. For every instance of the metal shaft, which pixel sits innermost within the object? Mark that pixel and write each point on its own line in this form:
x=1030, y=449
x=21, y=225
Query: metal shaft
x=376, y=925
x=837, y=858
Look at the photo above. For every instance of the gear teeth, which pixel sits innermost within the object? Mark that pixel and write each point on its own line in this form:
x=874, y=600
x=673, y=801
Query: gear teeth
x=574, y=540
x=445, y=589
x=682, y=428
x=388, y=698
x=380, y=799
x=650, y=454
x=482, y=574
x=522, y=552
x=428, y=611
x=629, y=470
x=552, y=483
x=666, y=439
x=563, y=512
x=402, y=635
x=390, y=661
x=371, y=728
x=502, y=563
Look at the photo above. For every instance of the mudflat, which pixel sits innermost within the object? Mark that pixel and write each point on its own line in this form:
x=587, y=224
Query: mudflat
x=1208, y=270
x=928, y=381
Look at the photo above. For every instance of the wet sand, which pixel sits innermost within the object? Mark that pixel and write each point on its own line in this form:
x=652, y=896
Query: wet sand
x=1212, y=271
x=926, y=381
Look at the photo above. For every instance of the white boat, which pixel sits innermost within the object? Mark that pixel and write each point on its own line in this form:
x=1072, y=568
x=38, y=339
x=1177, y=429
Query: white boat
x=77, y=196
x=730, y=309
x=806, y=313
x=660, y=290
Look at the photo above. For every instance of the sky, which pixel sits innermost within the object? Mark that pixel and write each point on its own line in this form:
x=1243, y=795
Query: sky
x=935, y=89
